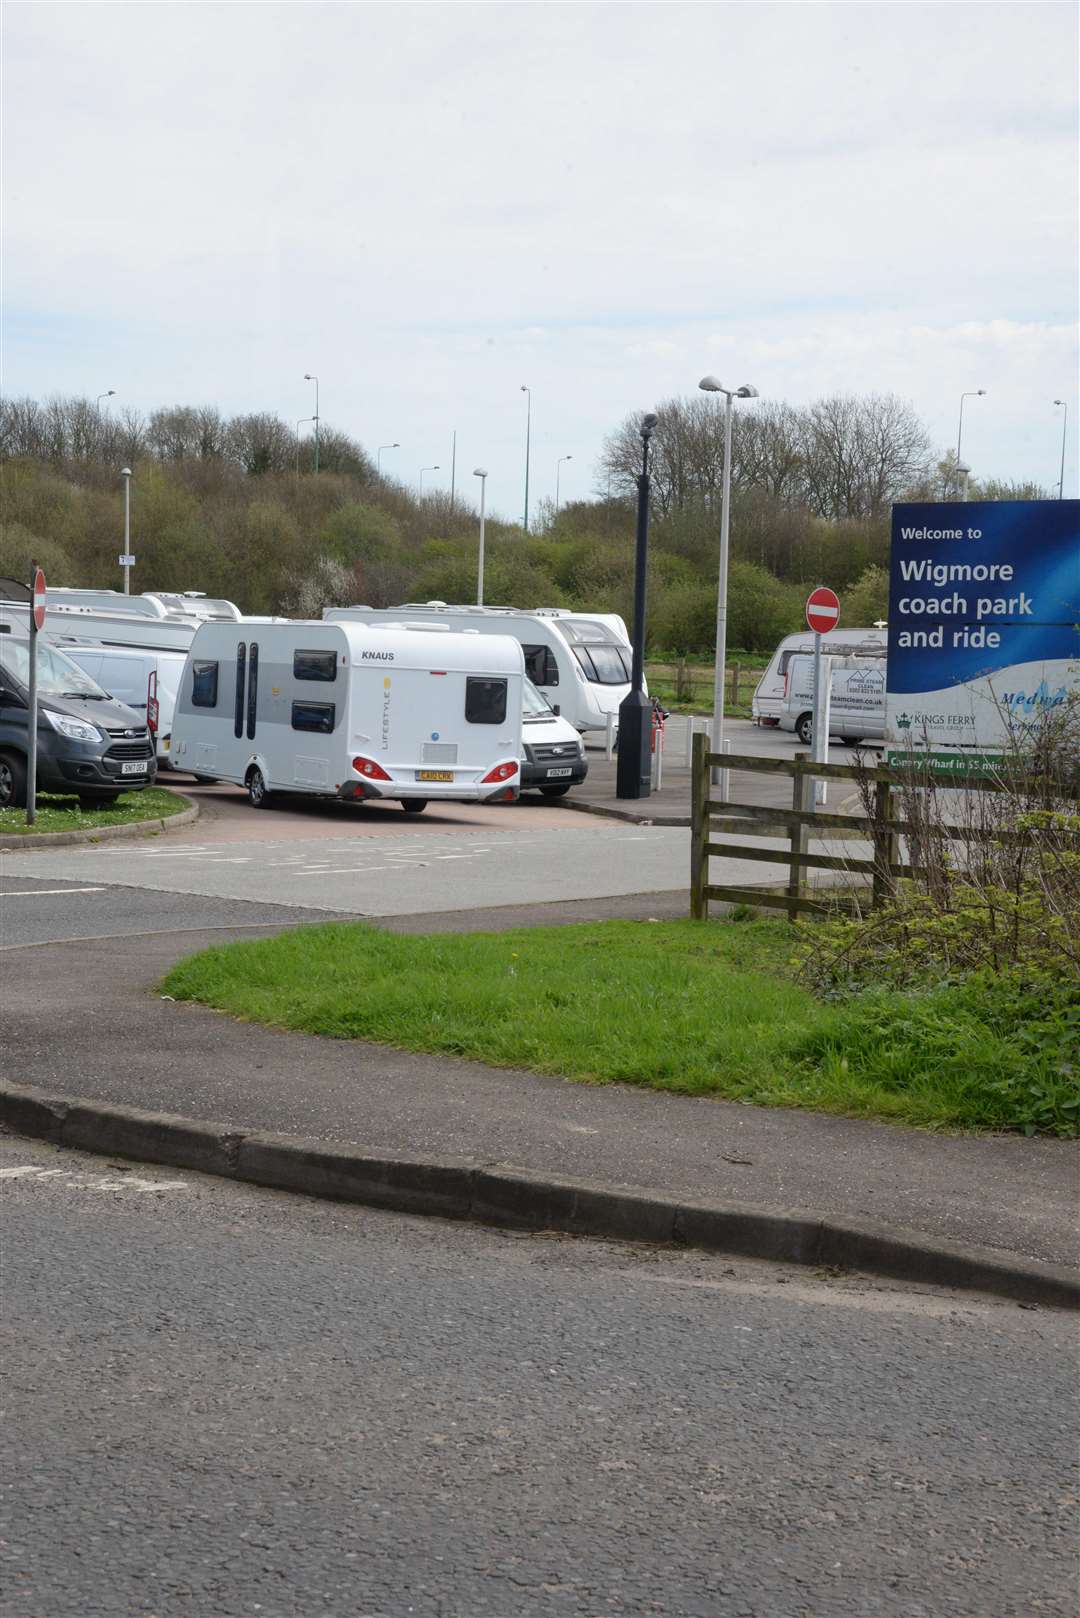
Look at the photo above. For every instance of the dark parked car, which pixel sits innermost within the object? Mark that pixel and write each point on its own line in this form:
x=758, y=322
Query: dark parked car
x=88, y=745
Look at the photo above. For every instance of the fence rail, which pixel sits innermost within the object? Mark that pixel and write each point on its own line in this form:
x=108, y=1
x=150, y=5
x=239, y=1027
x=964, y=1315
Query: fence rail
x=879, y=829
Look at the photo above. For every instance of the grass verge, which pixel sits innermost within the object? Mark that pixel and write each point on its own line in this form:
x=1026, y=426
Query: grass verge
x=697, y=1009
x=64, y=814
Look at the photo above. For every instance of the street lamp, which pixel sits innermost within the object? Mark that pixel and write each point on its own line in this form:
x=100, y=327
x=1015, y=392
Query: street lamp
x=126, y=559
x=300, y=420
x=1064, y=424
x=978, y=393
x=481, y=473
x=558, y=464
x=97, y=401
x=424, y=469
x=378, y=457
x=309, y=376
x=633, y=776
x=528, y=433
x=710, y=385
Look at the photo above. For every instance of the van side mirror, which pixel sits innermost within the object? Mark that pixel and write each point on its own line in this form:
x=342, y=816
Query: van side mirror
x=556, y=710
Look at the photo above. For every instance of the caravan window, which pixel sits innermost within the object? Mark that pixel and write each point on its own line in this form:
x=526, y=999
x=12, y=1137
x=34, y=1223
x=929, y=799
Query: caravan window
x=313, y=716
x=238, y=707
x=204, y=685
x=603, y=665
x=540, y=665
x=314, y=665
x=485, y=701
x=253, y=687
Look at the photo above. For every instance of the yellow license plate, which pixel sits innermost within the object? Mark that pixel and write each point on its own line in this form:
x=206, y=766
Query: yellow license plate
x=434, y=775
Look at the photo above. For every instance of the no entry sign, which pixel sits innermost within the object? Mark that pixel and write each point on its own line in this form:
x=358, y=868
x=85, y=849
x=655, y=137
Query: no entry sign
x=823, y=610
x=39, y=599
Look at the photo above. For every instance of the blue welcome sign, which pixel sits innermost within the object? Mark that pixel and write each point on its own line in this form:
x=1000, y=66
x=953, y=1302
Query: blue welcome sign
x=984, y=620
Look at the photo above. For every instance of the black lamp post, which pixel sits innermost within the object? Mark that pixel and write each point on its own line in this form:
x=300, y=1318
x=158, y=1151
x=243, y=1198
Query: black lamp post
x=634, y=774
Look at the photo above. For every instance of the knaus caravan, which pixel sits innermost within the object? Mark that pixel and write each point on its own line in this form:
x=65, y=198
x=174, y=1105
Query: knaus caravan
x=352, y=710
x=579, y=661
x=770, y=695
x=856, y=698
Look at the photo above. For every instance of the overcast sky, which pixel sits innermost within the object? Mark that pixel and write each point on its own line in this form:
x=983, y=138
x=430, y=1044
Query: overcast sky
x=431, y=205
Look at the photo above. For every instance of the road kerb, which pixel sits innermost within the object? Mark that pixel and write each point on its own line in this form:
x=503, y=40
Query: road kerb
x=466, y=1188
x=98, y=834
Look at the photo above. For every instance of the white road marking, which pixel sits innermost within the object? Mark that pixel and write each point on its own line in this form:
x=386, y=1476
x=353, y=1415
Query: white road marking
x=41, y=893
x=97, y=1182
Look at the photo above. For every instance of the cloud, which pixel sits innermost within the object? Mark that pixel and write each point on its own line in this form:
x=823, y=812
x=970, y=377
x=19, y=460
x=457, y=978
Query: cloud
x=432, y=204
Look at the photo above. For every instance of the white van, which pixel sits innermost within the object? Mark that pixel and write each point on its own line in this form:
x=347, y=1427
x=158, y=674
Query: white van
x=856, y=698
x=553, y=754
x=580, y=661
x=352, y=710
x=768, y=704
x=135, y=676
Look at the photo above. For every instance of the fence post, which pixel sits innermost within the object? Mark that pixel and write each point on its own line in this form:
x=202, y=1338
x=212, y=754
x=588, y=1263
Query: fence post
x=886, y=845
x=802, y=795
x=699, y=828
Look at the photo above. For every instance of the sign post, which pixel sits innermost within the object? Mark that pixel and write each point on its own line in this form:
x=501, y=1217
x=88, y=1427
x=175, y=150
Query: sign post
x=37, y=623
x=822, y=614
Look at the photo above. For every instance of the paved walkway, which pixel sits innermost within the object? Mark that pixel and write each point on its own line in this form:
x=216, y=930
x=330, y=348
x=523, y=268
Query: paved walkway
x=115, y=1040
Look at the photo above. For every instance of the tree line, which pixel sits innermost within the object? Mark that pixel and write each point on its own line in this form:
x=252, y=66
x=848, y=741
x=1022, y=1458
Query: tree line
x=230, y=505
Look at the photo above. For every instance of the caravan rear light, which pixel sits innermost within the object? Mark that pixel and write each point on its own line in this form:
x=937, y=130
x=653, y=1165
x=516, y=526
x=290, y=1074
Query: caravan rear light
x=501, y=772
x=369, y=768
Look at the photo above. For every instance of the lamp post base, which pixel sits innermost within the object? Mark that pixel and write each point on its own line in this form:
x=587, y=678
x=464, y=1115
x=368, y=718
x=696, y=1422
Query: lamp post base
x=633, y=777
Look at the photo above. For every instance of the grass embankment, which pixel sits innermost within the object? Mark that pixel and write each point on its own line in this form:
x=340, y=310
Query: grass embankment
x=64, y=814
x=685, y=687
x=681, y=1006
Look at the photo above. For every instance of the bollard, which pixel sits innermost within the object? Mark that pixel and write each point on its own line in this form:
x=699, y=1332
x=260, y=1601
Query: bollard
x=609, y=737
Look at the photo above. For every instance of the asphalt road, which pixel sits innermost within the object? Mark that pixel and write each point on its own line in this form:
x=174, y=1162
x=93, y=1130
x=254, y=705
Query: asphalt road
x=230, y=1402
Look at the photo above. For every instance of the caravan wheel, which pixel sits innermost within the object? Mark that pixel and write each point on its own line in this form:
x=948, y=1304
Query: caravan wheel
x=258, y=791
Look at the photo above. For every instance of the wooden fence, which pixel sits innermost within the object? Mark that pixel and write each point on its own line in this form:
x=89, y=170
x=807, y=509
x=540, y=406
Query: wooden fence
x=877, y=874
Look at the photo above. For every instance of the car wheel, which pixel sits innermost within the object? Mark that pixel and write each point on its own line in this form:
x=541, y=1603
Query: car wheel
x=257, y=790
x=12, y=781
x=804, y=728
x=558, y=790
x=414, y=806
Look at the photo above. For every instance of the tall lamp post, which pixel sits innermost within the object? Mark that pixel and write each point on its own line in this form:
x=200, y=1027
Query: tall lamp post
x=978, y=393
x=378, y=457
x=633, y=776
x=424, y=469
x=710, y=385
x=528, y=435
x=109, y=395
x=309, y=376
x=126, y=559
x=1064, y=425
x=558, y=464
x=481, y=473
x=300, y=420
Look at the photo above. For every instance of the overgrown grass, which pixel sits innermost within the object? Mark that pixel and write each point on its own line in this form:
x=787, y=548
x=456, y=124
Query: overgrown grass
x=64, y=814
x=698, y=1009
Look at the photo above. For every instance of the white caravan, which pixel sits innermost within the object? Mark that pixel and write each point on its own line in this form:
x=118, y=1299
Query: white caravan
x=580, y=661
x=769, y=697
x=140, y=678
x=352, y=710
x=150, y=604
x=856, y=698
